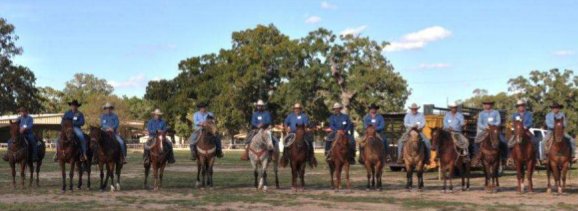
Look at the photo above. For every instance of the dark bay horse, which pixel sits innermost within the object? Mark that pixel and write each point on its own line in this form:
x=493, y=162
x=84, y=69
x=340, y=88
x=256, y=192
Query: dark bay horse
x=524, y=155
x=108, y=153
x=558, y=157
x=206, y=152
x=68, y=152
x=19, y=153
x=298, y=155
x=339, y=160
x=450, y=159
x=374, y=158
x=158, y=161
x=414, y=159
x=490, y=157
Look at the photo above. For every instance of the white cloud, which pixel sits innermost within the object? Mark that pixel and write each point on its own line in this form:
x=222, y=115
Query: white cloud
x=136, y=81
x=434, y=66
x=354, y=31
x=419, y=39
x=327, y=5
x=562, y=53
x=312, y=20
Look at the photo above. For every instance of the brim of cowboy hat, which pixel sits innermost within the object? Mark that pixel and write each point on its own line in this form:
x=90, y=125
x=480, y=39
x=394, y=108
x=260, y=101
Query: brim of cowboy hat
x=489, y=102
x=106, y=107
x=76, y=104
x=414, y=107
x=557, y=106
x=161, y=113
x=521, y=104
x=373, y=107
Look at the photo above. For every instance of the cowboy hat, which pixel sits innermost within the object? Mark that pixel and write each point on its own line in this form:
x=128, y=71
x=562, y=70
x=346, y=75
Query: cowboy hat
x=520, y=103
x=337, y=105
x=488, y=102
x=297, y=105
x=453, y=105
x=260, y=103
x=75, y=103
x=414, y=106
x=556, y=105
x=157, y=112
x=373, y=106
x=22, y=109
x=108, y=105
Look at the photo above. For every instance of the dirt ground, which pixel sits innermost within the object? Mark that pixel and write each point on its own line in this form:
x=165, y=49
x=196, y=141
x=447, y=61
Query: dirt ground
x=233, y=191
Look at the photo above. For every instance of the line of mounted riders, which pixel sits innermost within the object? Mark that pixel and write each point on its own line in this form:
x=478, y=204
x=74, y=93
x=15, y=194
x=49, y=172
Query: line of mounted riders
x=107, y=149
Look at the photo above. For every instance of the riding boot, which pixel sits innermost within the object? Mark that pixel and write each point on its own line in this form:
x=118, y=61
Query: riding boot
x=122, y=159
x=311, y=158
x=219, y=153
x=193, y=152
x=171, y=156
x=361, y=155
x=352, y=157
x=146, y=157
x=245, y=155
x=5, y=157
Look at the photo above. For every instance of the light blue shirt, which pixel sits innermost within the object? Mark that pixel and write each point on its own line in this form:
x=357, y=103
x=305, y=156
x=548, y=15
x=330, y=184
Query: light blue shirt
x=487, y=118
x=26, y=122
x=550, y=117
x=155, y=125
x=77, y=118
x=526, y=117
x=261, y=117
x=411, y=120
x=200, y=117
x=293, y=120
x=340, y=122
x=109, y=121
x=455, y=122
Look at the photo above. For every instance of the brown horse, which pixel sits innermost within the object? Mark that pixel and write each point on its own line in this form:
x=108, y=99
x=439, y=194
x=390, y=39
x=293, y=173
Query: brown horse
x=524, y=155
x=490, y=156
x=206, y=152
x=558, y=157
x=158, y=161
x=298, y=153
x=108, y=152
x=68, y=152
x=339, y=160
x=414, y=159
x=374, y=158
x=19, y=153
x=450, y=159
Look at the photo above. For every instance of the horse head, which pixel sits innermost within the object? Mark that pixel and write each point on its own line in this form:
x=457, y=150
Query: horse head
x=493, y=135
x=559, y=129
x=67, y=134
x=15, y=135
x=435, y=133
x=370, y=131
x=341, y=137
x=95, y=134
x=519, y=130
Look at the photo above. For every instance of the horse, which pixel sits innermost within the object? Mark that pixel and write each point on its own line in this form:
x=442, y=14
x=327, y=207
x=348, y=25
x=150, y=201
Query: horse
x=108, y=152
x=490, y=157
x=374, y=158
x=524, y=155
x=158, y=161
x=558, y=157
x=450, y=159
x=19, y=153
x=298, y=153
x=339, y=160
x=414, y=159
x=206, y=152
x=260, y=155
x=68, y=152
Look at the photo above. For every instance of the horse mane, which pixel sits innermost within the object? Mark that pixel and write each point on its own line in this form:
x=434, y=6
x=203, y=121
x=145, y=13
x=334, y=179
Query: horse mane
x=558, y=129
x=440, y=136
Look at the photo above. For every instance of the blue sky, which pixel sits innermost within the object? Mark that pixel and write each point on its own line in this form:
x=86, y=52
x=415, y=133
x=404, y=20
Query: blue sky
x=445, y=49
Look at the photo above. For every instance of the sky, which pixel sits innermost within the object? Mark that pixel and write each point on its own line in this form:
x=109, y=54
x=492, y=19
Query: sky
x=444, y=49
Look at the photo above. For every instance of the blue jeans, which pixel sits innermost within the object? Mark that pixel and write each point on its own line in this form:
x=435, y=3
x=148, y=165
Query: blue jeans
x=80, y=135
x=122, y=146
x=425, y=141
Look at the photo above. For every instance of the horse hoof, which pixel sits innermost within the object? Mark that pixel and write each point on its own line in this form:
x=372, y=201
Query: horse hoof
x=549, y=190
x=118, y=186
x=111, y=188
x=419, y=190
x=264, y=188
x=367, y=189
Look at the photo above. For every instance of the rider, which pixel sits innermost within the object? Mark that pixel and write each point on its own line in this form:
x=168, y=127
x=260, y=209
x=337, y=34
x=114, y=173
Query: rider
x=550, y=117
x=25, y=123
x=261, y=119
x=413, y=119
x=376, y=120
x=200, y=118
x=77, y=119
x=488, y=117
x=293, y=119
x=109, y=123
x=155, y=126
x=340, y=121
x=523, y=115
x=454, y=122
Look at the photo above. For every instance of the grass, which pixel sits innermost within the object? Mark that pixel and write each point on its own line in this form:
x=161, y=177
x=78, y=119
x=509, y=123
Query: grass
x=233, y=189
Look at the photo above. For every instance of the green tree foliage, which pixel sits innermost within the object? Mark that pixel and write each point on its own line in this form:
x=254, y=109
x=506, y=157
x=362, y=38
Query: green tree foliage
x=17, y=83
x=83, y=85
x=263, y=63
x=52, y=100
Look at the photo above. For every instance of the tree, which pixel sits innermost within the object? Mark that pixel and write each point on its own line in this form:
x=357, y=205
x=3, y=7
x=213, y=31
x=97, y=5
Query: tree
x=17, y=83
x=52, y=100
x=82, y=85
x=543, y=88
x=138, y=108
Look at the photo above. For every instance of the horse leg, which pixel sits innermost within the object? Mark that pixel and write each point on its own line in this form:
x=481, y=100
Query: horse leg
x=372, y=177
x=71, y=175
x=379, y=174
x=13, y=168
x=264, y=179
x=199, y=169
x=420, y=178
x=497, y=177
x=204, y=172
x=22, y=173
x=88, y=172
x=256, y=176
x=347, y=177
x=368, y=170
x=80, y=173
x=408, y=176
x=118, y=171
x=276, y=171
x=31, y=167
x=103, y=187
x=156, y=176
x=38, y=164
x=331, y=172
x=519, y=172
x=451, y=175
x=63, y=171
x=338, y=168
x=467, y=173
x=531, y=165
x=147, y=171
x=211, y=164
x=294, y=175
x=563, y=175
x=549, y=174
x=161, y=174
x=101, y=168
